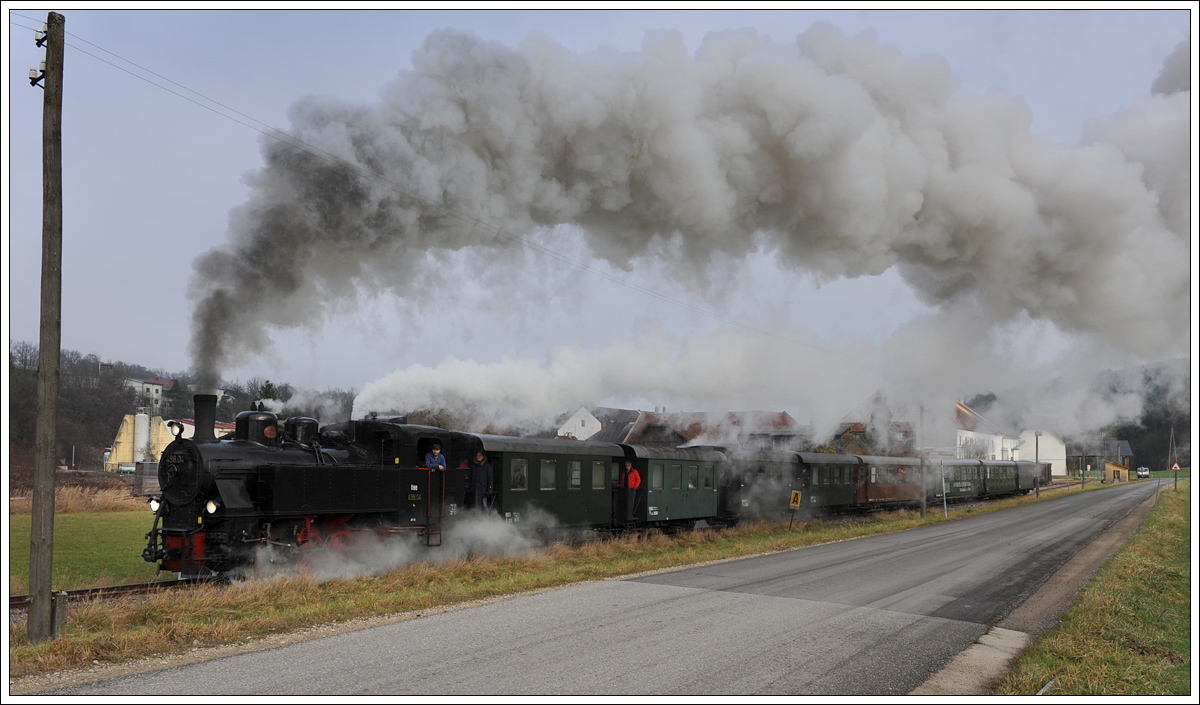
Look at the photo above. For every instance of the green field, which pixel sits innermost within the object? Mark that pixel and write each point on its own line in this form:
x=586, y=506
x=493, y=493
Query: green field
x=89, y=550
x=1168, y=475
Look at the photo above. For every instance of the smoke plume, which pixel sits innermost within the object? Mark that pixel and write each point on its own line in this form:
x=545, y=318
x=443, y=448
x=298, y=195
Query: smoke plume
x=840, y=155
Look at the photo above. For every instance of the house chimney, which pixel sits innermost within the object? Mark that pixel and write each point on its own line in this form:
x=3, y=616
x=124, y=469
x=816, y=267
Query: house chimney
x=206, y=417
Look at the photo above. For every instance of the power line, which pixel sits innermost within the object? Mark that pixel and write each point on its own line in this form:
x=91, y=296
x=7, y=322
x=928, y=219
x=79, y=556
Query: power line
x=333, y=160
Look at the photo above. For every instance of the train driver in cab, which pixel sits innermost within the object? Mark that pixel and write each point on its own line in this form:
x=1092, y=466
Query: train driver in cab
x=434, y=460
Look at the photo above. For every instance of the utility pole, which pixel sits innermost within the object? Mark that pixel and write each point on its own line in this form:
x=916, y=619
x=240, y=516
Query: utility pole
x=921, y=441
x=41, y=541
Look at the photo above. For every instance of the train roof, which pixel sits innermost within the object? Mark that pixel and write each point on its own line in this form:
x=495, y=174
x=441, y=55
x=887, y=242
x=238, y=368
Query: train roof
x=828, y=459
x=547, y=445
x=888, y=460
x=664, y=453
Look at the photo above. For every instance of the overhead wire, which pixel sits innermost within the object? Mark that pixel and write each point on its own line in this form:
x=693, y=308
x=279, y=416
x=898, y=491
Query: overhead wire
x=333, y=160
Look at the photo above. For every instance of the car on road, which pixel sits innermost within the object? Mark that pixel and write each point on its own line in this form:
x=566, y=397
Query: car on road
x=1143, y=472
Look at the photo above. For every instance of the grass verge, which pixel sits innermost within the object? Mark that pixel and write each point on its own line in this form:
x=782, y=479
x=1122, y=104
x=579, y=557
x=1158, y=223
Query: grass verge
x=90, y=550
x=120, y=630
x=1129, y=632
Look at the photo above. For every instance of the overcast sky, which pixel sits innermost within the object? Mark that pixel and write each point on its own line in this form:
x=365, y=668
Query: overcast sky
x=150, y=178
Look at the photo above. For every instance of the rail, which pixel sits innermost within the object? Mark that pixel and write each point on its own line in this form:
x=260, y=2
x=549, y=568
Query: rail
x=23, y=601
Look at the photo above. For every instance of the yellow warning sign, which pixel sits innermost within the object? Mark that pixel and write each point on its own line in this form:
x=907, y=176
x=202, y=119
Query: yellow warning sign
x=795, y=499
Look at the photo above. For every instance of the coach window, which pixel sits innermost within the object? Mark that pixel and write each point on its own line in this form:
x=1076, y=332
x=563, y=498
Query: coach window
x=776, y=474
x=597, y=474
x=549, y=469
x=874, y=475
x=520, y=474
x=656, y=476
x=710, y=477
x=693, y=475
x=676, y=477
x=574, y=475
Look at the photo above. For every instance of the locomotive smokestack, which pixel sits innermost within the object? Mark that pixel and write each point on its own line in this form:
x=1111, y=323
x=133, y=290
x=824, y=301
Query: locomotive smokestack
x=206, y=417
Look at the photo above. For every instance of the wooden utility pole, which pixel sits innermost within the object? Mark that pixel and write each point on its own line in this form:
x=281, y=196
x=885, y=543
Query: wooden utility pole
x=41, y=541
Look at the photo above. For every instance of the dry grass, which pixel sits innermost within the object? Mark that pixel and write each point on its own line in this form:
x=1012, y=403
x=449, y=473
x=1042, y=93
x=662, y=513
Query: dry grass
x=80, y=500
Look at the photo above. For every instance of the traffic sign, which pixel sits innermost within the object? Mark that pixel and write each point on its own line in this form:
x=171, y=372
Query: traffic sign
x=795, y=499
x=1174, y=468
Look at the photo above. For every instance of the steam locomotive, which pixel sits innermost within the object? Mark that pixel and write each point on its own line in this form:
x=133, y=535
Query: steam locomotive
x=293, y=487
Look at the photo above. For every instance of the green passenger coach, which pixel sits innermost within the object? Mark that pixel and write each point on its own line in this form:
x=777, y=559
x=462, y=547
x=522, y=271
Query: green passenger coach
x=679, y=485
x=553, y=484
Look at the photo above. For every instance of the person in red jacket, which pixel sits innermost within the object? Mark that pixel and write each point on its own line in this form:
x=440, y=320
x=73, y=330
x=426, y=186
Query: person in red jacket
x=633, y=479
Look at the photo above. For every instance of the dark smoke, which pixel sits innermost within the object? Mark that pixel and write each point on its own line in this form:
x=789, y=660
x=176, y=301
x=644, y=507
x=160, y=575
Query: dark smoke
x=843, y=156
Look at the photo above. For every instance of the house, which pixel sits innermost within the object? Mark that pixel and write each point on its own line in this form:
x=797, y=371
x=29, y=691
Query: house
x=587, y=423
x=149, y=391
x=1045, y=447
x=769, y=428
x=859, y=431
x=142, y=438
x=979, y=438
x=1096, y=454
x=852, y=437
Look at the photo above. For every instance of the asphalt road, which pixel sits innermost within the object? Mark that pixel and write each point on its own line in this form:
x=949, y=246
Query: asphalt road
x=877, y=615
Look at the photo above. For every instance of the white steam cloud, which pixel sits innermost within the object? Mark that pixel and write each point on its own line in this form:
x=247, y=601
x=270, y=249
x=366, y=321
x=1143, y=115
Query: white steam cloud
x=370, y=555
x=716, y=373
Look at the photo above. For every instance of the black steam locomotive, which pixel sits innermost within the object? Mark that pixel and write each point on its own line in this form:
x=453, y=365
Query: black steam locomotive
x=294, y=487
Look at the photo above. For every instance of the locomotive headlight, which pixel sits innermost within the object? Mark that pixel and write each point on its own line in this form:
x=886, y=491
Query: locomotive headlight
x=154, y=504
x=212, y=506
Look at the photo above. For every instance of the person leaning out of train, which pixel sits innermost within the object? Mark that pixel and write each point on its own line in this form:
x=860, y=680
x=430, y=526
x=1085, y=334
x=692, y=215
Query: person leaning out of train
x=479, y=483
x=633, y=478
x=434, y=460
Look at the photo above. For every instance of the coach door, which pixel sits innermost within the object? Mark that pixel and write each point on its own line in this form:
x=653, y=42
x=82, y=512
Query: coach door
x=861, y=485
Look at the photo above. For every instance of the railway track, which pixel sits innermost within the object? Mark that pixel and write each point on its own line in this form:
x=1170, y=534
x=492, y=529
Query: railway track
x=20, y=602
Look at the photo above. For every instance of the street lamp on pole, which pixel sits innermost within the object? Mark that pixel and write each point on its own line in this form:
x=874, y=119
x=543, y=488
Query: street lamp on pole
x=1037, y=465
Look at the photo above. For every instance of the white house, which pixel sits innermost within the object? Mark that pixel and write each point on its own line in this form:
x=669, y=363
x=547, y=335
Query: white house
x=581, y=425
x=979, y=438
x=149, y=391
x=1047, y=448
